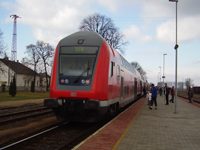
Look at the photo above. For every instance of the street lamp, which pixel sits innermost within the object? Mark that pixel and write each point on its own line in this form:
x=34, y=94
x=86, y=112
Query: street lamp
x=163, y=71
x=163, y=68
x=160, y=74
x=176, y=48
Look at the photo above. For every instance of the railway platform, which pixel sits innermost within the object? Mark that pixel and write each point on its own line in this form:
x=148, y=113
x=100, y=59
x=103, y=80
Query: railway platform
x=139, y=128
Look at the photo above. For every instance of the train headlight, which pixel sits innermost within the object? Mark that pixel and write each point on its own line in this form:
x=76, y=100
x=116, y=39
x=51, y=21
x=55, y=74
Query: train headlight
x=60, y=102
x=66, y=81
x=83, y=81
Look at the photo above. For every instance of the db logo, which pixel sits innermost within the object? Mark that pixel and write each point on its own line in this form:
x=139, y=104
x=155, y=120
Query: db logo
x=73, y=94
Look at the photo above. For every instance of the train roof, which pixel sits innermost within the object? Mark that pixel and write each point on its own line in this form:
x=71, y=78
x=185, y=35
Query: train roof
x=83, y=38
x=91, y=38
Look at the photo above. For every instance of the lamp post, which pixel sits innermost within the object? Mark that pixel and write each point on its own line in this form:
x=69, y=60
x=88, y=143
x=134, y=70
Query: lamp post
x=160, y=74
x=163, y=68
x=163, y=71
x=176, y=48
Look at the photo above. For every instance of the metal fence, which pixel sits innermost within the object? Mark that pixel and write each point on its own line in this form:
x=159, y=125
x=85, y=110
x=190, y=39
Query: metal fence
x=196, y=89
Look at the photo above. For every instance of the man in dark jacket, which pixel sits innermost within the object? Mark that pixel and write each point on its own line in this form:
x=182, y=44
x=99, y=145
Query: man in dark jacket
x=153, y=96
x=166, y=92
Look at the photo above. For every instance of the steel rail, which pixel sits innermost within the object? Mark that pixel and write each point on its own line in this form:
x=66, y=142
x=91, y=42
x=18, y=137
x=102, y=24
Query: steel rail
x=28, y=138
x=24, y=117
x=21, y=112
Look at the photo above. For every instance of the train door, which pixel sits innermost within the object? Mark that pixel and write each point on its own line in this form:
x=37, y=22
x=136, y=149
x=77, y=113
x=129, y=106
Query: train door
x=122, y=85
x=135, y=89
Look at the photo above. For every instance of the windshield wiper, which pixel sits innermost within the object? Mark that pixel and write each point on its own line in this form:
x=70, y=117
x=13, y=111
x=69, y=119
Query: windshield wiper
x=81, y=75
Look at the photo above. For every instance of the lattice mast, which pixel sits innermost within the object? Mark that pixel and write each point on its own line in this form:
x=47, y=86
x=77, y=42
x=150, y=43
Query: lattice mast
x=14, y=40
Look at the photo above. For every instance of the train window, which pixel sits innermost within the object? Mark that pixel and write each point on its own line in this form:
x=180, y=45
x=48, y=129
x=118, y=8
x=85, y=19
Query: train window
x=111, y=69
x=126, y=90
x=77, y=65
x=118, y=72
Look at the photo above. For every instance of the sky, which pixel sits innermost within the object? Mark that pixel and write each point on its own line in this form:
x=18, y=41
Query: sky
x=148, y=25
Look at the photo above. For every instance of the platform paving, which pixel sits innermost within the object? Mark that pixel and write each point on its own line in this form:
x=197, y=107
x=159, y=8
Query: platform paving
x=140, y=128
x=162, y=129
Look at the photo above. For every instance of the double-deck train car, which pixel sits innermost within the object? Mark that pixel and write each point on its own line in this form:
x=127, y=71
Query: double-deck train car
x=90, y=79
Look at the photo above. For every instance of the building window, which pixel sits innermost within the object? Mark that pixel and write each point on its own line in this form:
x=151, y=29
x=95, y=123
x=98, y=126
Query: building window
x=24, y=82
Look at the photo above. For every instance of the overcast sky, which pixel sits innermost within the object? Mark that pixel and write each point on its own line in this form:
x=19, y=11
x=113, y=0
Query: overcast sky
x=149, y=26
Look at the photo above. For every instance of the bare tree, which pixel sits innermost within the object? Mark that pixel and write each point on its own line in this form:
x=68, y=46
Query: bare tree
x=139, y=69
x=3, y=49
x=32, y=60
x=45, y=52
x=188, y=82
x=106, y=28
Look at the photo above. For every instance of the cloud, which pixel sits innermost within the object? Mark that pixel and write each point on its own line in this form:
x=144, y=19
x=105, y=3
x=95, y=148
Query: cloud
x=188, y=29
x=150, y=52
x=134, y=32
x=195, y=61
x=117, y=5
x=163, y=13
x=52, y=20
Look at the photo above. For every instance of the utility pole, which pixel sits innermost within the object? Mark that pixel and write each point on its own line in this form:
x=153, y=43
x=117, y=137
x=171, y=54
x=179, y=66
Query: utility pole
x=14, y=44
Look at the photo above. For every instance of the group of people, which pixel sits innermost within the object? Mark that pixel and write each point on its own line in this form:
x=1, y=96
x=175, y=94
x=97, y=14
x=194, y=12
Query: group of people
x=152, y=95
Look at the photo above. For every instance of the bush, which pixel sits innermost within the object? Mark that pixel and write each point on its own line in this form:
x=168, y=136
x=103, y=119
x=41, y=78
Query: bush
x=13, y=87
x=32, y=86
x=3, y=87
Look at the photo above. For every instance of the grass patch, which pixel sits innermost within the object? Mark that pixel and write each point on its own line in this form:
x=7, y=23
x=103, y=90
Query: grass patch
x=23, y=95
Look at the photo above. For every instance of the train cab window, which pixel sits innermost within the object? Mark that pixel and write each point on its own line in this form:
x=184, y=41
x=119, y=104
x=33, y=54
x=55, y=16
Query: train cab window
x=77, y=61
x=111, y=69
x=118, y=72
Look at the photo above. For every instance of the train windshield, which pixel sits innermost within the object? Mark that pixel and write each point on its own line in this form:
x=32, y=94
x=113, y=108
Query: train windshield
x=77, y=61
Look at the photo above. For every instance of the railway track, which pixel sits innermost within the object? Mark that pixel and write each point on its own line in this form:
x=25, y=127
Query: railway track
x=21, y=115
x=194, y=100
x=23, y=106
x=64, y=136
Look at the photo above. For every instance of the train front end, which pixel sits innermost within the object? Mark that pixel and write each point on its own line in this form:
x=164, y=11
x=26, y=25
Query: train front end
x=76, y=91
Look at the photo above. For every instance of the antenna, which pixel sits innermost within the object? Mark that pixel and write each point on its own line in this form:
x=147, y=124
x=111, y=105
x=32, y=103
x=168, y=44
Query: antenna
x=14, y=47
x=14, y=40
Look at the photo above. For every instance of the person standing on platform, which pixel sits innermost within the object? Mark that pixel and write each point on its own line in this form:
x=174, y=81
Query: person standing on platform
x=192, y=94
x=166, y=92
x=172, y=93
x=153, y=96
x=189, y=94
x=149, y=98
x=160, y=91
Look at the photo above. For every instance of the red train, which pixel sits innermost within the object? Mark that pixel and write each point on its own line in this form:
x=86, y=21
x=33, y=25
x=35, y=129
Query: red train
x=90, y=79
